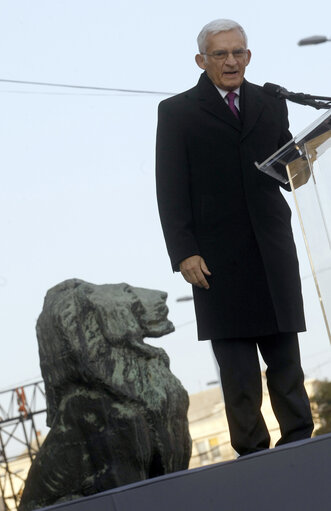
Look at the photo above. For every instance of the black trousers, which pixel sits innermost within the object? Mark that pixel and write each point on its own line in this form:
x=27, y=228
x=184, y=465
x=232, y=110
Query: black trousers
x=242, y=389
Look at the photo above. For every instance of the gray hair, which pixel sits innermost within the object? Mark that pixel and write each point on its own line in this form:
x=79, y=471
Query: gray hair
x=216, y=26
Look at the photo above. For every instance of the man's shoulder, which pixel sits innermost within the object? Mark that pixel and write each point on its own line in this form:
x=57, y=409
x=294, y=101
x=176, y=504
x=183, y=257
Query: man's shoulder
x=179, y=100
x=256, y=89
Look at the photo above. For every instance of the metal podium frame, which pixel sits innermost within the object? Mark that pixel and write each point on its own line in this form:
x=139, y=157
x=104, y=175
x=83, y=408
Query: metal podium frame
x=305, y=163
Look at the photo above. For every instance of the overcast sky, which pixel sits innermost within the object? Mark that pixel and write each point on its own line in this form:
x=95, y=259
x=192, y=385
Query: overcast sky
x=77, y=166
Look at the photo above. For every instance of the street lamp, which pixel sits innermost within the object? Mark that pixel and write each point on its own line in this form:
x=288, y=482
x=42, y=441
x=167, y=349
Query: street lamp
x=314, y=39
x=184, y=299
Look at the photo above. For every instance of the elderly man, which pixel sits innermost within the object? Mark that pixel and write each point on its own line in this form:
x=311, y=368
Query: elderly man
x=228, y=230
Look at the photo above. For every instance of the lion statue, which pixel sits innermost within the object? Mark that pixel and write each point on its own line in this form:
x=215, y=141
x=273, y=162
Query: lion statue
x=116, y=412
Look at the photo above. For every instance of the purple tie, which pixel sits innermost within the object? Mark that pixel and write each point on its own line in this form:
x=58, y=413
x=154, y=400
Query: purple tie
x=231, y=95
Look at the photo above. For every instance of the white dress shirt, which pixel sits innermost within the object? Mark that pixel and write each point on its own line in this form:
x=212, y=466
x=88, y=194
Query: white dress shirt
x=223, y=93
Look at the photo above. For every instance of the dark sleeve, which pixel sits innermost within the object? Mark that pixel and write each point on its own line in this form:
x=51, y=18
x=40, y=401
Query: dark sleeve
x=173, y=186
x=286, y=135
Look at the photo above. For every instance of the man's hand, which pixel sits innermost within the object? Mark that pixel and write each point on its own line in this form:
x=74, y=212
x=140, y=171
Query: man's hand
x=194, y=270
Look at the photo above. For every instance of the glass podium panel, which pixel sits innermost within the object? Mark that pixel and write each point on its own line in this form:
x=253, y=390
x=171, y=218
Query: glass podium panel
x=305, y=163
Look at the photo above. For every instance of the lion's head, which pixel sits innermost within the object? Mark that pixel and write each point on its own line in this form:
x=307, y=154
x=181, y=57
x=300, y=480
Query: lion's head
x=93, y=334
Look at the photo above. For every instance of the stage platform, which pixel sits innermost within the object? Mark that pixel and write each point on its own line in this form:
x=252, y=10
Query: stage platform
x=296, y=477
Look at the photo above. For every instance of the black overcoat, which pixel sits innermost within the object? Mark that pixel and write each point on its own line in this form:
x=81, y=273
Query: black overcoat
x=214, y=202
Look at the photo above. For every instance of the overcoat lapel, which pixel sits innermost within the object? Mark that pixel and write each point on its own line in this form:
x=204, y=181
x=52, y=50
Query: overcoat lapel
x=251, y=107
x=211, y=101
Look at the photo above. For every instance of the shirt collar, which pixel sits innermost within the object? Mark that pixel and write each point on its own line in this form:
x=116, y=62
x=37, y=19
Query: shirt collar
x=223, y=92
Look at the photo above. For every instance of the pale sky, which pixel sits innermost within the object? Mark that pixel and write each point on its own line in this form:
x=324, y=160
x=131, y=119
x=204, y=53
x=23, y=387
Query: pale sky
x=77, y=167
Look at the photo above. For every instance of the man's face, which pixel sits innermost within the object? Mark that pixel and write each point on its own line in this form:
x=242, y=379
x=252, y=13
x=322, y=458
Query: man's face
x=227, y=73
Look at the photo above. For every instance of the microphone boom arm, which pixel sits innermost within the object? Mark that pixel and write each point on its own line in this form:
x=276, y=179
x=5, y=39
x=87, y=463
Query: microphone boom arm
x=310, y=101
x=297, y=97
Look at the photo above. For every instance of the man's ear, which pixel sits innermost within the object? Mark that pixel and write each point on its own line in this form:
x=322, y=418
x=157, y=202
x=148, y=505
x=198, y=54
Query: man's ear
x=199, y=59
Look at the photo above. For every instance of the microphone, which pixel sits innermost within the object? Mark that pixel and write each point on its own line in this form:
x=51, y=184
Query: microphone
x=297, y=97
x=280, y=92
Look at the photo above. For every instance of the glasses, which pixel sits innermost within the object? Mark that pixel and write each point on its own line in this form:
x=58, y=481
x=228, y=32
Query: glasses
x=223, y=54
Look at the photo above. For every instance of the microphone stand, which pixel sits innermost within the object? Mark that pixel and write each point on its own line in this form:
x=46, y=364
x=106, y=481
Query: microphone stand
x=317, y=102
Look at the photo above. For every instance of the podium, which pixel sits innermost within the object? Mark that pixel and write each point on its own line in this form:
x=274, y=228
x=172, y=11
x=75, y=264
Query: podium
x=305, y=163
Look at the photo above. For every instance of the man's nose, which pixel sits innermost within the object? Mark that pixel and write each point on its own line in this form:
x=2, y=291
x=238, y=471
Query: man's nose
x=230, y=60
